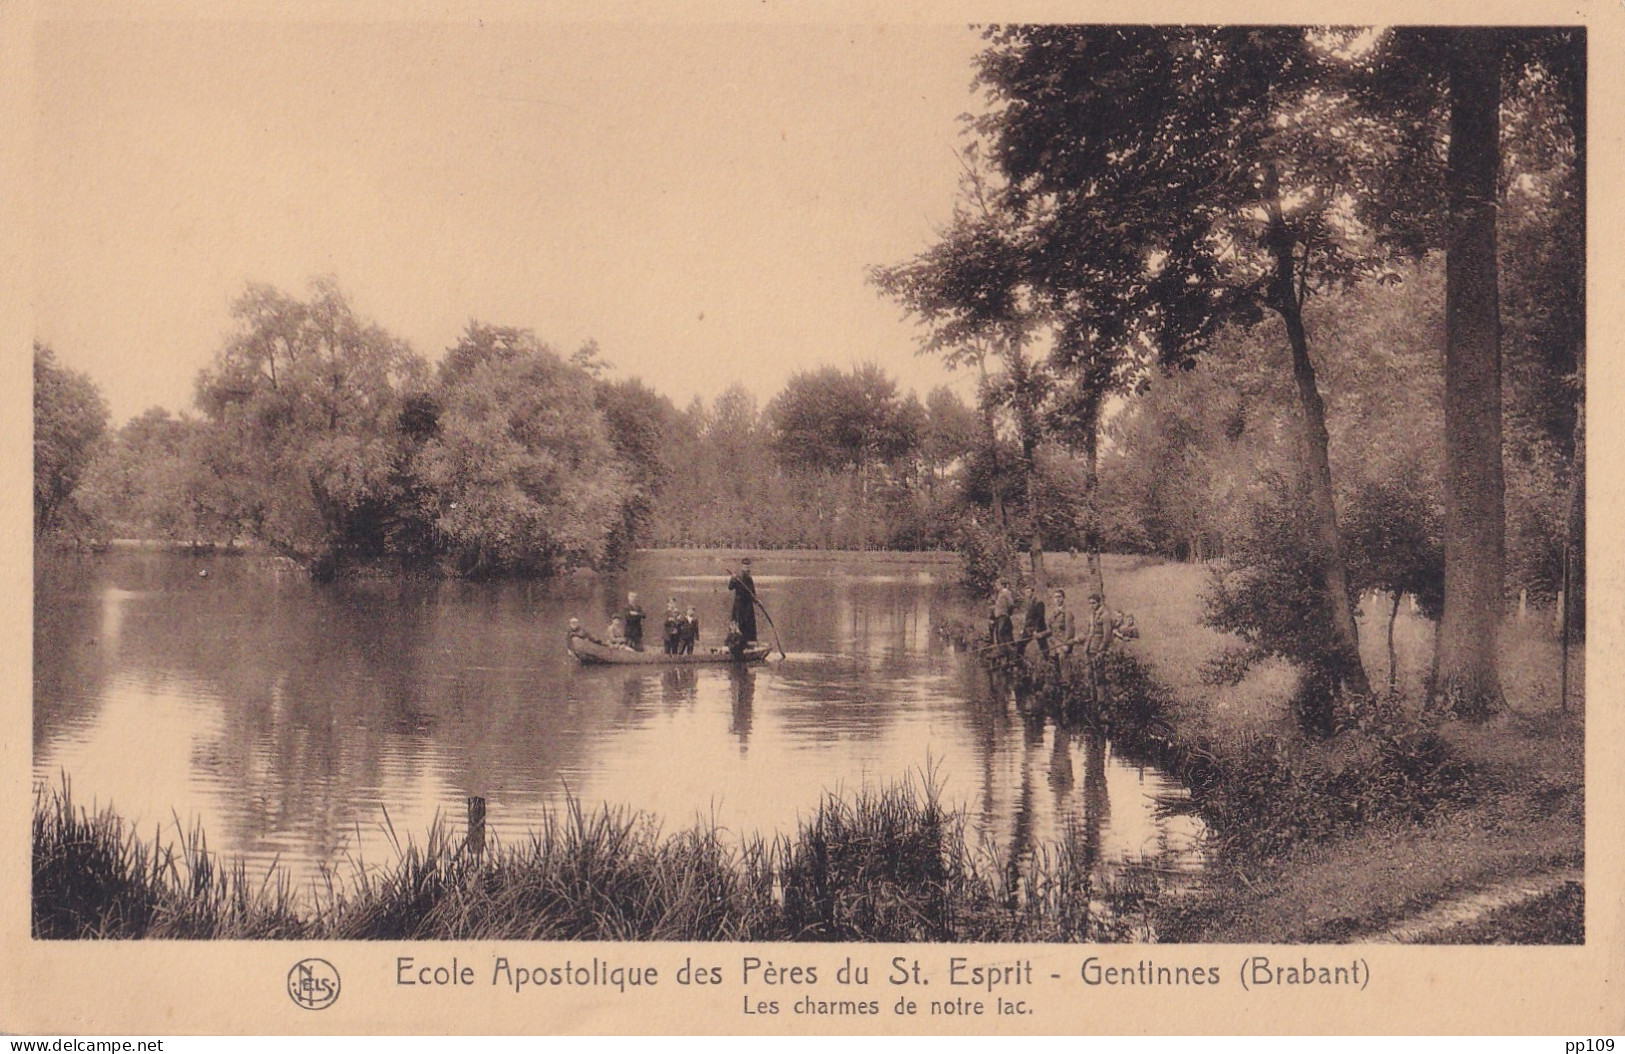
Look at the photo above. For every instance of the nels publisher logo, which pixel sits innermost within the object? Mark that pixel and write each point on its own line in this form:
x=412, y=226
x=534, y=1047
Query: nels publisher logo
x=313, y=984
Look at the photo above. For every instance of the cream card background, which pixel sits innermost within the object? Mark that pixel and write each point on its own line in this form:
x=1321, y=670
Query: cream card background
x=157, y=987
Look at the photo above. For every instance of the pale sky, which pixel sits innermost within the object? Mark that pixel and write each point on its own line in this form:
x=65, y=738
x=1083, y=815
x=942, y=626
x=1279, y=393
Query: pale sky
x=702, y=200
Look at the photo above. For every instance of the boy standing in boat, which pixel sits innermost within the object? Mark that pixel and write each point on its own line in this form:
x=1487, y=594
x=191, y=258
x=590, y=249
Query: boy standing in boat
x=743, y=587
x=672, y=628
x=689, y=633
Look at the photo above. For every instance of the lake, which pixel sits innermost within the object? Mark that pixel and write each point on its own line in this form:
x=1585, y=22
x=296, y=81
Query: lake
x=298, y=723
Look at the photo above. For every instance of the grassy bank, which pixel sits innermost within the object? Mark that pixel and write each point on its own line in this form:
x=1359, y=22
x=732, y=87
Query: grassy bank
x=884, y=865
x=1335, y=839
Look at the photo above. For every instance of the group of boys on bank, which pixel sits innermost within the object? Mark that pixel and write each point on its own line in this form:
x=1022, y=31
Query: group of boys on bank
x=1057, y=632
x=681, y=629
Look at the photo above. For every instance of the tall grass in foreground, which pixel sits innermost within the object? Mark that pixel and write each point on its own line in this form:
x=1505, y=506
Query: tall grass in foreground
x=887, y=864
x=93, y=877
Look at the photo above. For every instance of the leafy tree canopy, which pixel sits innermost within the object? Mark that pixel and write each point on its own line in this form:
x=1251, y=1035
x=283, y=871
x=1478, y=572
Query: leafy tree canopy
x=70, y=419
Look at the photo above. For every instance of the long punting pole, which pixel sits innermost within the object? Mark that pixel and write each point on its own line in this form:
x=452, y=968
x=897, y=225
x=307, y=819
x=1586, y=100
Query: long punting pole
x=758, y=602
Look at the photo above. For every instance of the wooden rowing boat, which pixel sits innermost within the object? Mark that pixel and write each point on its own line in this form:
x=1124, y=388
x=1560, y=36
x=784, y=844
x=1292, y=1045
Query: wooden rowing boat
x=590, y=653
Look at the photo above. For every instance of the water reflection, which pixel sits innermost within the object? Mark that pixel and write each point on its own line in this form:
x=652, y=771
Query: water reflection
x=742, y=695
x=288, y=718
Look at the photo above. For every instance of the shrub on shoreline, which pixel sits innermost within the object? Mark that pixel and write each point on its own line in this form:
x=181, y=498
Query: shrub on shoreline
x=1259, y=794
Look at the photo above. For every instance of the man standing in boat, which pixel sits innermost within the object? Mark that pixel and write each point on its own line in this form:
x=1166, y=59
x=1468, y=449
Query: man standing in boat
x=743, y=587
x=634, y=623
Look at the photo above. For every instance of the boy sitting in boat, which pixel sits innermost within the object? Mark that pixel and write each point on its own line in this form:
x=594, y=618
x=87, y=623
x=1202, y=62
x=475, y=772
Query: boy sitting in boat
x=579, y=632
x=617, y=634
x=735, y=640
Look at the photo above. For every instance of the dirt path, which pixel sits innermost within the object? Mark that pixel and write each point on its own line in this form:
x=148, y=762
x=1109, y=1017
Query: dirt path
x=1466, y=910
x=1417, y=884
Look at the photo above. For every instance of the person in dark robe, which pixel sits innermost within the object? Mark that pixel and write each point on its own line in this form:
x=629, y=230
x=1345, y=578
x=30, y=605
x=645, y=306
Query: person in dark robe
x=634, y=623
x=743, y=587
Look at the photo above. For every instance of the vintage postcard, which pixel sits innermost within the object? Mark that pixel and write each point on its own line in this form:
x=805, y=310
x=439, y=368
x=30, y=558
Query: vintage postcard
x=844, y=519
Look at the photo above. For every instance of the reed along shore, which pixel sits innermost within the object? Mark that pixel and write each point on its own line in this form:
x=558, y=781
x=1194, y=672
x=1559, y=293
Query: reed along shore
x=890, y=864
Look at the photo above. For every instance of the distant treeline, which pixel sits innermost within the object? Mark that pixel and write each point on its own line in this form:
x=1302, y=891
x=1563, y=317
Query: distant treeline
x=321, y=436
x=327, y=440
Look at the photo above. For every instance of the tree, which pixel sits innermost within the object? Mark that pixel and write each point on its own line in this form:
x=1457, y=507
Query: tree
x=643, y=427
x=1272, y=594
x=150, y=482
x=1541, y=241
x=710, y=497
x=1395, y=537
x=303, y=422
x=521, y=471
x=1443, y=88
x=1465, y=660
x=834, y=420
x=971, y=290
x=1188, y=452
x=849, y=442
x=948, y=438
x=1183, y=450
x=950, y=431
x=1158, y=183
x=70, y=419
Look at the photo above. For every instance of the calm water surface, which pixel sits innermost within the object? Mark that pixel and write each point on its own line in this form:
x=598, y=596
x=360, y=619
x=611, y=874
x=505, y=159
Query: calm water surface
x=289, y=718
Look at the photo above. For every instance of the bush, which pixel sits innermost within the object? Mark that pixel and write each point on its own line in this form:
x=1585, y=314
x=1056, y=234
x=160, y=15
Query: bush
x=988, y=555
x=1385, y=766
x=1271, y=593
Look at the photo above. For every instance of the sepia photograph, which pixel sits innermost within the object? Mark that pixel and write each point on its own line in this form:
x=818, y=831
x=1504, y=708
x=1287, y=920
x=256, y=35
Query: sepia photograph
x=756, y=484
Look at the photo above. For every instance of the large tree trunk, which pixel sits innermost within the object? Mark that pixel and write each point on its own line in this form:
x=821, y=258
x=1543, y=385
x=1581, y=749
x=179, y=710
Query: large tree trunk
x=1334, y=569
x=1393, y=658
x=1035, y=537
x=1027, y=429
x=1466, y=677
x=991, y=433
x=1286, y=298
x=1091, y=493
